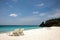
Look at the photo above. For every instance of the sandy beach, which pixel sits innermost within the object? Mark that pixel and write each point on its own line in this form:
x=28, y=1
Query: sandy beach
x=52, y=33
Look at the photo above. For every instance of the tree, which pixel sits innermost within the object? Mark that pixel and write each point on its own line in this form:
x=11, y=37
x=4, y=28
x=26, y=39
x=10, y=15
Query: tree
x=42, y=24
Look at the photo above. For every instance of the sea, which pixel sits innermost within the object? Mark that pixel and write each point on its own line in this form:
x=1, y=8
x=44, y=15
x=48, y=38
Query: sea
x=7, y=28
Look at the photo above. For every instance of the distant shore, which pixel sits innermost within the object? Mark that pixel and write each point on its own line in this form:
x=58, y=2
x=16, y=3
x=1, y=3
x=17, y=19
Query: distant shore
x=51, y=33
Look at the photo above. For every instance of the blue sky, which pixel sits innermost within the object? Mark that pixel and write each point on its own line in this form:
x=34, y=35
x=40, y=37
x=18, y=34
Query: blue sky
x=28, y=12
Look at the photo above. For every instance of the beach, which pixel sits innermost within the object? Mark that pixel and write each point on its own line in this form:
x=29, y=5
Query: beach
x=51, y=33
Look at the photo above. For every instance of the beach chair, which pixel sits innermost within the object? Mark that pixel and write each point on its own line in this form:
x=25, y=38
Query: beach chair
x=17, y=32
x=21, y=31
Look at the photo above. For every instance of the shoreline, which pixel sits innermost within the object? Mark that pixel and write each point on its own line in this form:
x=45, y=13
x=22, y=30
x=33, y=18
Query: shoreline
x=19, y=28
x=35, y=34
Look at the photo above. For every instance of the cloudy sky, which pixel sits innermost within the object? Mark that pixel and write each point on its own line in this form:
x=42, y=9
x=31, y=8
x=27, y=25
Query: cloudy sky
x=28, y=12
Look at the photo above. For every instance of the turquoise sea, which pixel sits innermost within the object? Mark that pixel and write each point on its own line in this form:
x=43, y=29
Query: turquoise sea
x=7, y=28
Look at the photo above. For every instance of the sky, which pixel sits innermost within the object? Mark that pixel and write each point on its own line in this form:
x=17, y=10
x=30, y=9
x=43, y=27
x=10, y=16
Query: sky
x=28, y=12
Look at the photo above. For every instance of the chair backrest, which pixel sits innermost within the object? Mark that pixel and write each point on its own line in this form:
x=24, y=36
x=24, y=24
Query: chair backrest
x=21, y=30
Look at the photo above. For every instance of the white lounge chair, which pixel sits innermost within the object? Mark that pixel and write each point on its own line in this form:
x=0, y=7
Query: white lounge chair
x=17, y=32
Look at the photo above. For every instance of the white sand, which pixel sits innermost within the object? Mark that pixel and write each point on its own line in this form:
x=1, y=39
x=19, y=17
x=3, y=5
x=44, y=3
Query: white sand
x=52, y=33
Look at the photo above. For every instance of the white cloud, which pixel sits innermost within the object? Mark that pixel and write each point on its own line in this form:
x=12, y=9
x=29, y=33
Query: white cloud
x=35, y=12
x=29, y=20
x=42, y=14
x=32, y=20
x=13, y=15
x=40, y=5
x=55, y=14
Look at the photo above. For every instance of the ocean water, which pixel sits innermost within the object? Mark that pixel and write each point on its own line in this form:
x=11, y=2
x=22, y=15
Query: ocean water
x=7, y=28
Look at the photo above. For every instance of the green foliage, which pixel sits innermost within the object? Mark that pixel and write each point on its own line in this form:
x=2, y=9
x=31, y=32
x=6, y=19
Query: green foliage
x=42, y=24
x=51, y=22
